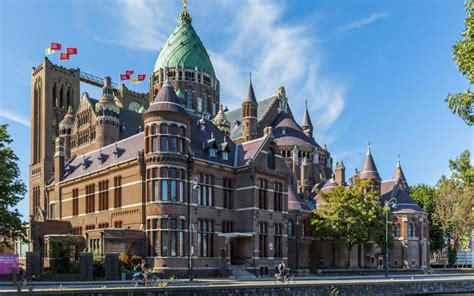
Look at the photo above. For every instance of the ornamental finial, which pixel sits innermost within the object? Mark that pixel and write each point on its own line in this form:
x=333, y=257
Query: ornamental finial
x=185, y=2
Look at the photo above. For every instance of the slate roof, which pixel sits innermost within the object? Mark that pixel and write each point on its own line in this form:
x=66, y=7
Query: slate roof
x=296, y=202
x=235, y=116
x=166, y=100
x=404, y=202
x=202, y=130
x=287, y=132
x=369, y=170
x=127, y=150
x=250, y=94
x=306, y=119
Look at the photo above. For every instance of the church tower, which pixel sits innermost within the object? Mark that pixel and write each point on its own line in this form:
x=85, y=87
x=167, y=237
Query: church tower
x=107, y=128
x=53, y=89
x=184, y=61
x=249, y=115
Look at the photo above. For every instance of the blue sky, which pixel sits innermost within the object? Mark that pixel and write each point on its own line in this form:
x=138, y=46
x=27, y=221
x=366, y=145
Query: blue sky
x=371, y=70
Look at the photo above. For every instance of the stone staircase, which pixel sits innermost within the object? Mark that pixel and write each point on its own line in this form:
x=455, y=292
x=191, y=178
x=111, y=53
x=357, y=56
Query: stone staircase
x=239, y=272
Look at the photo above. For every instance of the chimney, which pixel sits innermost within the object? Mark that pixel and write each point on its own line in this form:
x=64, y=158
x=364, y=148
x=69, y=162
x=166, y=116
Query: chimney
x=340, y=174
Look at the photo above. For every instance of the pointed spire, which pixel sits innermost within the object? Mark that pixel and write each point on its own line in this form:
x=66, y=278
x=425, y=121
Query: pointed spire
x=184, y=14
x=398, y=174
x=369, y=170
x=307, y=125
x=250, y=93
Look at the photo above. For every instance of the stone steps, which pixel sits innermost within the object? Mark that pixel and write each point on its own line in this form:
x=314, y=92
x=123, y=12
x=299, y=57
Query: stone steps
x=239, y=272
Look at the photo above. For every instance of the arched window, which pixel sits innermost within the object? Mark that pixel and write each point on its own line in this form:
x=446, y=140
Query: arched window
x=68, y=97
x=189, y=99
x=271, y=159
x=398, y=232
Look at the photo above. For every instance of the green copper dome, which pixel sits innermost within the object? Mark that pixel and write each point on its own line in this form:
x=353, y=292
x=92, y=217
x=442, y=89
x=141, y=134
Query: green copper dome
x=184, y=48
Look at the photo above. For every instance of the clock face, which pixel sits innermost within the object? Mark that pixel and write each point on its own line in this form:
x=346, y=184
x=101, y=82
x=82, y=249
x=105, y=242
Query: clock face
x=134, y=106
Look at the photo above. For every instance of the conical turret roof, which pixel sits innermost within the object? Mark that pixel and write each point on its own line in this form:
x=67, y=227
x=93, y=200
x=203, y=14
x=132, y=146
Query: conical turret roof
x=250, y=94
x=166, y=100
x=369, y=170
x=184, y=48
x=398, y=174
x=220, y=120
x=306, y=119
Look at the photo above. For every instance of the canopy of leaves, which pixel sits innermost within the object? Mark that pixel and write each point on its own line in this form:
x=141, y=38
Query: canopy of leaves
x=454, y=205
x=353, y=214
x=425, y=195
x=463, y=55
x=12, y=190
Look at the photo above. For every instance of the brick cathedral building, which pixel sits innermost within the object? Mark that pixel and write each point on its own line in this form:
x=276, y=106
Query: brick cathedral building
x=170, y=173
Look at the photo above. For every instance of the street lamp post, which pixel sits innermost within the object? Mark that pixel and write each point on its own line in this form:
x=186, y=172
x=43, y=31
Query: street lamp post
x=193, y=186
x=392, y=203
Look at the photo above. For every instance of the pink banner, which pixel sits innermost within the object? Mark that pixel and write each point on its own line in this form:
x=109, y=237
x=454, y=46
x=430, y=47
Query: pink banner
x=8, y=263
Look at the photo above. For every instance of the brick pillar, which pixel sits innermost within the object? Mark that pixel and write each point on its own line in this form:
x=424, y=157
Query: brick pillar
x=33, y=265
x=112, y=266
x=86, y=268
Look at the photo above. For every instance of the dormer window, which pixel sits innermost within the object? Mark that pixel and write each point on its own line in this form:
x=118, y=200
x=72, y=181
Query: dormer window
x=225, y=155
x=212, y=152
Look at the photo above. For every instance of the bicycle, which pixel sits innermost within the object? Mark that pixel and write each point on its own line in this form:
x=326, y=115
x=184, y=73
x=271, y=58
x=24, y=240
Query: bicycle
x=19, y=278
x=138, y=280
x=283, y=279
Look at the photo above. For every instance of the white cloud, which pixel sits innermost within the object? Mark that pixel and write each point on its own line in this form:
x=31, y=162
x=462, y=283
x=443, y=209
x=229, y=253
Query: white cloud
x=251, y=38
x=362, y=22
x=16, y=117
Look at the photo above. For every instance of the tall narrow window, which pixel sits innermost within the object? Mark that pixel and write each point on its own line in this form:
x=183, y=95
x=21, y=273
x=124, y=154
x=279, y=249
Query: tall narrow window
x=75, y=202
x=189, y=98
x=263, y=239
x=205, y=238
x=228, y=194
x=262, y=194
x=118, y=192
x=164, y=190
x=278, y=245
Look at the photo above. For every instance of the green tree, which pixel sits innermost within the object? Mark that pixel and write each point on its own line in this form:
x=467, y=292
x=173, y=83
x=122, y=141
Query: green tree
x=12, y=190
x=462, y=103
x=425, y=195
x=454, y=205
x=352, y=214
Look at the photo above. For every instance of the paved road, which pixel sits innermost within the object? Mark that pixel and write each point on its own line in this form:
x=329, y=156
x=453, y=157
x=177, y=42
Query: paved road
x=320, y=280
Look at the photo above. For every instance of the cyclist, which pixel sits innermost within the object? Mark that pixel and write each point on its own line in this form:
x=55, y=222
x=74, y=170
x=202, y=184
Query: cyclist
x=283, y=270
x=144, y=271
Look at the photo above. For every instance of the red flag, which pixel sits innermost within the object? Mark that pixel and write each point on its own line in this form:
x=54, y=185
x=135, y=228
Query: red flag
x=124, y=77
x=141, y=77
x=71, y=50
x=64, y=56
x=55, y=46
x=129, y=73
